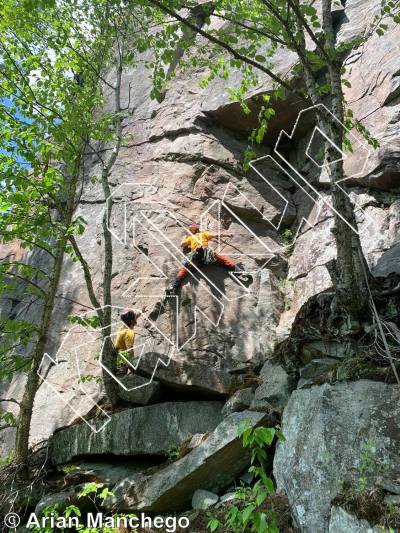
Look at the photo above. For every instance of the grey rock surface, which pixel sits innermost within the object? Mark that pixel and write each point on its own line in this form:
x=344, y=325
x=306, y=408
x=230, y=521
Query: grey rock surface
x=388, y=485
x=343, y=522
x=181, y=162
x=211, y=466
x=110, y=471
x=275, y=389
x=187, y=375
x=136, y=389
x=392, y=499
x=204, y=499
x=226, y=498
x=239, y=401
x=317, y=368
x=327, y=429
x=152, y=430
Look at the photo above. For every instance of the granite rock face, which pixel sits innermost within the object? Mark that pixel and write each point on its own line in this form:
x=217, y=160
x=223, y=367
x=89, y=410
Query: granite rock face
x=239, y=401
x=181, y=163
x=328, y=431
x=204, y=499
x=137, y=390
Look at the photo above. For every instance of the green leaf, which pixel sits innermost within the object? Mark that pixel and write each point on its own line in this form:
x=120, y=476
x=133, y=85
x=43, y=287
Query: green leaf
x=213, y=524
x=72, y=509
x=243, y=426
x=90, y=488
x=260, y=59
x=247, y=512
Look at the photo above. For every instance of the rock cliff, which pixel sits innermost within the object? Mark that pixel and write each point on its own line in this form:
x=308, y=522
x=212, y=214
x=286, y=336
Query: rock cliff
x=181, y=163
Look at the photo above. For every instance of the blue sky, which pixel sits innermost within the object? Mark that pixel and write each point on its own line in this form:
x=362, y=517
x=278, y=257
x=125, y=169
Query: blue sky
x=19, y=159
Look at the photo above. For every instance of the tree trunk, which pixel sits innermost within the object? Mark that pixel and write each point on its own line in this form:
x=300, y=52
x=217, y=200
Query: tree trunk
x=109, y=355
x=348, y=272
x=32, y=384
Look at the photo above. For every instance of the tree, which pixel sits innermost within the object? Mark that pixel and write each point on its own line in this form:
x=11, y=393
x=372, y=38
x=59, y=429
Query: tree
x=129, y=36
x=52, y=65
x=251, y=33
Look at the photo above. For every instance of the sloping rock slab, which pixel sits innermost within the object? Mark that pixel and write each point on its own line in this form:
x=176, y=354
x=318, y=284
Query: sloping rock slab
x=150, y=430
x=211, y=466
x=110, y=471
x=327, y=428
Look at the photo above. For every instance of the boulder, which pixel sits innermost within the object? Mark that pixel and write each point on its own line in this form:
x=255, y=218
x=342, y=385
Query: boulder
x=327, y=430
x=139, y=390
x=317, y=349
x=186, y=375
x=225, y=499
x=239, y=401
x=388, y=485
x=212, y=466
x=60, y=500
x=392, y=499
x=316, y=369
x=388, y=263
x=275, y=388
x=204, y=499
x=343, y=522
x=150, y=430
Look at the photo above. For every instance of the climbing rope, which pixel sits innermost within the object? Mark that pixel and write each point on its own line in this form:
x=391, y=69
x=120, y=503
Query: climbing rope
x=378, y=320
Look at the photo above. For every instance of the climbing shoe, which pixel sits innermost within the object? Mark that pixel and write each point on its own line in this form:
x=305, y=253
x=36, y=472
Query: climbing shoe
x=242, y=275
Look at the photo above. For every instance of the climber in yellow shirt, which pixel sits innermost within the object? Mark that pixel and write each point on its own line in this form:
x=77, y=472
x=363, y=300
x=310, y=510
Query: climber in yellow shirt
x=198, y=239
x=125, y=338
x=201, y=254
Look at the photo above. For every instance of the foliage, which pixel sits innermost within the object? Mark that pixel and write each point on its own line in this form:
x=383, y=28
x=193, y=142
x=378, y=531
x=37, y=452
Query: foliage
x=97, y=493
x=390, y=9
x=54, y=58
x=87, y=378
x=174, y=453
x=369, y=467
x=47, y=120
x=367, y=470
x=92, y=322
x=249, y=514
x=245, y=43
x=6, y=460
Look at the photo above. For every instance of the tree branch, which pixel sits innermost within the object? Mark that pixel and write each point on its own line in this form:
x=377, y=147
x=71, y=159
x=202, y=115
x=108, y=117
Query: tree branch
x=13, y=400
x=228, y=48
x=88, y=277
x=308, y=29
x=252, y=28
x=30, y=282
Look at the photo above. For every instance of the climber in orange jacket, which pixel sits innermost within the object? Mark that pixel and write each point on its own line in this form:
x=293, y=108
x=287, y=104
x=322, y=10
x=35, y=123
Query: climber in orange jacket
x=201, y=254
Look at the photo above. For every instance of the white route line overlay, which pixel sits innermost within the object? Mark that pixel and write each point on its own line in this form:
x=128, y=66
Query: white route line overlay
x=178, y=255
